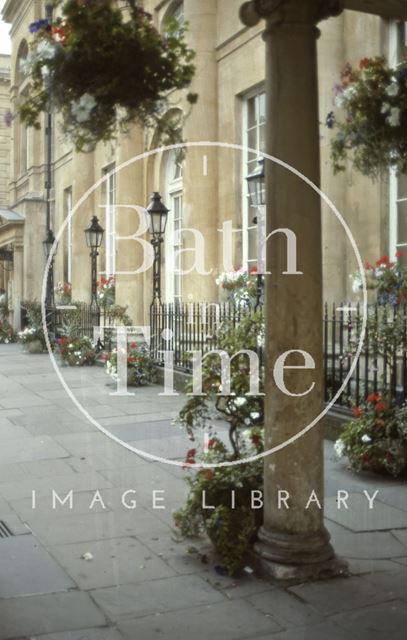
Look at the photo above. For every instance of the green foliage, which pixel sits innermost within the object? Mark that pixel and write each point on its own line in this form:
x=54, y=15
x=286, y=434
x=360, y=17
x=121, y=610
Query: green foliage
x=232, y=530
x=238, y=408
x=34, y=331
x=140, y=366
x=376, y=439
x=76, y=351
x=7, y=334
x=102, y=68
x=374, y=132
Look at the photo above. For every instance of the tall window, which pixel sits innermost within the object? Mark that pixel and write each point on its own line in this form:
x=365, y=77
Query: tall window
x=68, y=235
x=254, y=127
x=21, y=131
x=173, y=238
x=398, y=184
x=109, y=202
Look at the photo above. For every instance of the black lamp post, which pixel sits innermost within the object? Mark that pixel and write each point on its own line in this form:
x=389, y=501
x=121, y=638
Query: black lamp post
x=50, y=238
x=158, y=221
x=257, y=191
x=47, y=246
x=94, y=237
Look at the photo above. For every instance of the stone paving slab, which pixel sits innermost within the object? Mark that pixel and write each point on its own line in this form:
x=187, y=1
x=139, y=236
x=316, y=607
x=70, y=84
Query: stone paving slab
x=48, y=613
x=94, y=526
x=30, y=448
x=115, y=562
x=393, y=583
x=232, y=620
x=379, y=545
x=286, y=608
x=84, y=634
x=156, y=596
x=381, y=518
x=339, y=595
x=383, y=621
x=324, y=631
x=27, y=569
x=60, y=484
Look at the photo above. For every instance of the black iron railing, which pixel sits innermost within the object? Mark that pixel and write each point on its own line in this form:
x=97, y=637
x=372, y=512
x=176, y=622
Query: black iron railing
x=186, y=327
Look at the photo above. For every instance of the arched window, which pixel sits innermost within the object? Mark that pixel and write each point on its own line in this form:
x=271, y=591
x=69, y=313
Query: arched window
x=173, y=236
x=175, y=12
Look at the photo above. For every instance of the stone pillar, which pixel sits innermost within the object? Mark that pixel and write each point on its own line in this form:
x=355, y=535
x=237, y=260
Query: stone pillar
x=83, y=179
x=200, y=209
x=18, y=284
x=293, y=543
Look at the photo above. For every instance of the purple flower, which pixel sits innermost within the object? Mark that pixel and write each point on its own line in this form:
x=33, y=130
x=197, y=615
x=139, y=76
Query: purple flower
x=36, y=26
x=8, y=118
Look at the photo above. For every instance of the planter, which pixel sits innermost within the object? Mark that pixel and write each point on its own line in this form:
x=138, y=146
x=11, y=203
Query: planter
x=36, y=346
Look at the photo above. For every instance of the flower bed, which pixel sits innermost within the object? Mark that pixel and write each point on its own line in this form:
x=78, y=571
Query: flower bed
x=376, y=438
x=140, y=366
x=76, y=351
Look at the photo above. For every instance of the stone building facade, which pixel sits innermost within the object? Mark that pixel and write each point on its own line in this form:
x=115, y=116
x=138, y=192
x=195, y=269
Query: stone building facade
x=209, y=188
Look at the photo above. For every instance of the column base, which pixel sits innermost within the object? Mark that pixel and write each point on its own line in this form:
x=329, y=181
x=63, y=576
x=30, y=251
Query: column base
x=288, y=558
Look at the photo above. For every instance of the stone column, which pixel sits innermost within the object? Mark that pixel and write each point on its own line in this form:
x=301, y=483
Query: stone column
x=83, y=179
x=200, y=209
x=293, y=543
x=18, y=284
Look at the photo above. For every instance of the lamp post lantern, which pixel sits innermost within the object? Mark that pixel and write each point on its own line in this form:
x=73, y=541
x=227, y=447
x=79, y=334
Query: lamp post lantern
x=47, y=246
x=256, y=183
x=158, y=213
x=94, y=237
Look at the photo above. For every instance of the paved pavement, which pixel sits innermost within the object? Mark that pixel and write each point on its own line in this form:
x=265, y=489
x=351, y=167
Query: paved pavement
x=110, y=573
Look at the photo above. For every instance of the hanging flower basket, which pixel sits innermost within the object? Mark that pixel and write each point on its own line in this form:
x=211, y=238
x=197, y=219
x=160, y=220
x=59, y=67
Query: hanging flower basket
x=371, y=128
x=101, y=68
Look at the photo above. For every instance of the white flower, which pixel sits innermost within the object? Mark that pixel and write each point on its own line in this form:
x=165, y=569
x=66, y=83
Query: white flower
x=255, y=415
x=339, y=448
x=385, y=107
x=394, y=118
x=45, y=50
x=366, y=439
x=239, y=402
x=393, y=89
x=82, y=108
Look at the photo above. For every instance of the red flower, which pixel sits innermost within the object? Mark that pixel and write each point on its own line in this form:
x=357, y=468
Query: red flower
x=373, y=398
x=399, y=254
x=256, y=439
x=382, y=260
x=364, y=63
x=191, y=453
x=368, y=266
x=365, y=458
x=253, y=271
x=211, y=443
x=380, y=407
x=130, y=359
x=357, y=412
x=133, y=345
